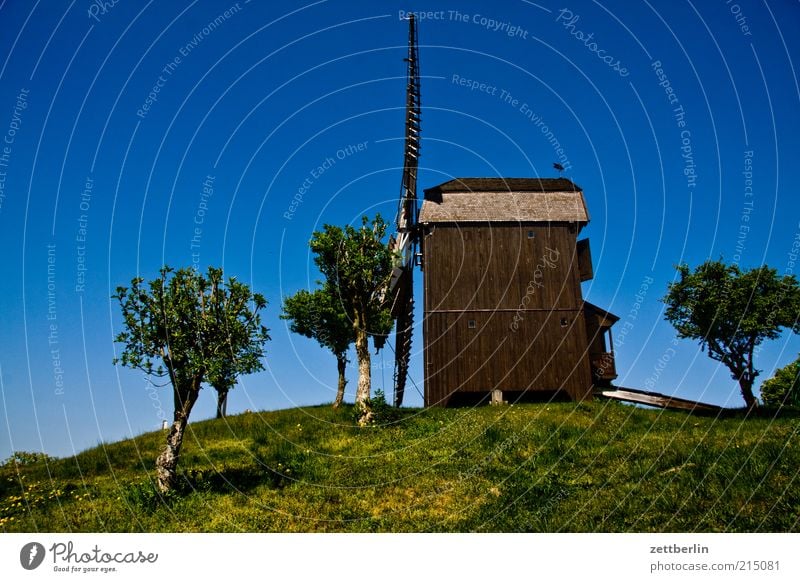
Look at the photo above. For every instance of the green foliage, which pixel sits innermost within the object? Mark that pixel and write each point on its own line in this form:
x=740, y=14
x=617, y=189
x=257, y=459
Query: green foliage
x=783, y=389
x=357, y=266
x=25, y=458
x=383, y=413
x=236, y=331
x=731, y=311
x=320, y=315
x=187, y=326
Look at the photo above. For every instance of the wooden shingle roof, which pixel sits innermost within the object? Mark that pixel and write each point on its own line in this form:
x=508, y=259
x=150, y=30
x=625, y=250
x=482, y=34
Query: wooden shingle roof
x=504, y=200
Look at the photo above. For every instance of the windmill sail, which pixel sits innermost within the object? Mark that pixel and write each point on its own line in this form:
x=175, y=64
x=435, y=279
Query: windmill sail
x=401, y=287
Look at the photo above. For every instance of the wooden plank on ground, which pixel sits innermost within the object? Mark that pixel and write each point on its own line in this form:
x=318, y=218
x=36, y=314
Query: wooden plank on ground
x=658, y=400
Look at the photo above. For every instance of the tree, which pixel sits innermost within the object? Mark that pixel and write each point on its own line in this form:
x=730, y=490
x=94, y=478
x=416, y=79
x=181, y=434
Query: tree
x=357, y=265
x=731, y=311
x=239, y=344
x=783, y=389
x=189, y=328
x=223, y=385
x=320, y=315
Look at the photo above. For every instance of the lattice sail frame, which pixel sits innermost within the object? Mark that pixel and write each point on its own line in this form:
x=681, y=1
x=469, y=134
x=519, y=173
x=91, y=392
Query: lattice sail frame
x=404, y=243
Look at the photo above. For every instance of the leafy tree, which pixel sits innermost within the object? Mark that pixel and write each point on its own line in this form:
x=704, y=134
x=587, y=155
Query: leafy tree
x=223, y=385
x=190, y=328
x=731, y=311
x=357, y=266
x=238, y=345
x=783, y=389
x=320, y=315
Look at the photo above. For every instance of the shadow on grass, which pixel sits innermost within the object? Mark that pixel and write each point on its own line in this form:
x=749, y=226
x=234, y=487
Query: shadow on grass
x=228, y=480
x=767, y=412
x=145, y=495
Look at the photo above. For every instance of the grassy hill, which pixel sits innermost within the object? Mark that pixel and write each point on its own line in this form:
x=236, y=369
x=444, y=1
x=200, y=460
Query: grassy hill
x=591, y=467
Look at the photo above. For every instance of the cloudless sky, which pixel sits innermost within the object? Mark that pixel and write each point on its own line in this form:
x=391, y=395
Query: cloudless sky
x=151, y=102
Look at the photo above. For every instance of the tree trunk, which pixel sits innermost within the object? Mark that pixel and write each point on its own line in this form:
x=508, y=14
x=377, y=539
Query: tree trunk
x=364, y=371
x=364, y=364
x=222, y=403
x=750, y=377
x=167, y=462
x=746, y=385
x=341, y=364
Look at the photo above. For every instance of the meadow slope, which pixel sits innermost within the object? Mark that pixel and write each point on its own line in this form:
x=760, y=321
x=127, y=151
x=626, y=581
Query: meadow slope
x=589, y=467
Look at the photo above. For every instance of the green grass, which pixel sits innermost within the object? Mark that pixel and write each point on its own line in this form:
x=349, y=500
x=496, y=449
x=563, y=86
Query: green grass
x=591, y=467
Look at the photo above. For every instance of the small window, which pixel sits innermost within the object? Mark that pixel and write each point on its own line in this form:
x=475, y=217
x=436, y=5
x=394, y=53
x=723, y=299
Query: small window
x=531, y=234
x=564, y=322
x=472, y=324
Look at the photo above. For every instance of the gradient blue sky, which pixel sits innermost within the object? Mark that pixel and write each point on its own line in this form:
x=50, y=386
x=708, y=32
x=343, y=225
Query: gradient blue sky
x=261, y=99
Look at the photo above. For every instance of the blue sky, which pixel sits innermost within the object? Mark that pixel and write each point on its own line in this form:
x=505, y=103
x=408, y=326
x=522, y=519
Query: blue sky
x=139, y=134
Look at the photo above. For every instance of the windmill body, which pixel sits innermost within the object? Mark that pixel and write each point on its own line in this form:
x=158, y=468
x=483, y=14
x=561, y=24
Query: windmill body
x=503, y=308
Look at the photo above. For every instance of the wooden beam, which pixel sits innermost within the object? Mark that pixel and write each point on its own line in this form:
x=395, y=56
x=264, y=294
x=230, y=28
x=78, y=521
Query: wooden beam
x=658, y=400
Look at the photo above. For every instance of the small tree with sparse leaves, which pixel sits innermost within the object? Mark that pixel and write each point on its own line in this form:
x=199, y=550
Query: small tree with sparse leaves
x=320, y=315
x=239, y=341
x=189, y=328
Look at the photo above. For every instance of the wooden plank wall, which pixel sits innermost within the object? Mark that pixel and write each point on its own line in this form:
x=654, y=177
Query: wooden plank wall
x=522, y=294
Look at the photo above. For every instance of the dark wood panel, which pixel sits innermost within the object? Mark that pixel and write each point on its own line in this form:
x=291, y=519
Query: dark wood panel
x=504, y=310
x=509, y=351
x=483, y=266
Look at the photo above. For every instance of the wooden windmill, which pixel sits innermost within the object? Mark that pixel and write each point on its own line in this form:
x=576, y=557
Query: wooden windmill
x=504, y=313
